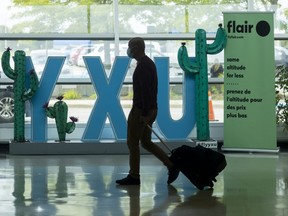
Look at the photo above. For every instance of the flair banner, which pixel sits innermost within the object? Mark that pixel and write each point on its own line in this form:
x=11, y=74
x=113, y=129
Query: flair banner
x=249, y=81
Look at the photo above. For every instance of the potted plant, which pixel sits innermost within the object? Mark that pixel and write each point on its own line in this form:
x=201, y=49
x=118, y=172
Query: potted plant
x=281, y=87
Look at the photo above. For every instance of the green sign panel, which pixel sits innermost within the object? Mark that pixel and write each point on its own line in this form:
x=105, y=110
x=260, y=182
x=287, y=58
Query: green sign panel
x=249, y=81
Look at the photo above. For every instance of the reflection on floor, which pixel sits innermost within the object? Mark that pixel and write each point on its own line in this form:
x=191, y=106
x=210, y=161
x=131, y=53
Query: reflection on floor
x=251, y=184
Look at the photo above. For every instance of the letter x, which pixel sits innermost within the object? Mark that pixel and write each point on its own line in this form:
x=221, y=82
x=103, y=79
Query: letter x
x=108, y=101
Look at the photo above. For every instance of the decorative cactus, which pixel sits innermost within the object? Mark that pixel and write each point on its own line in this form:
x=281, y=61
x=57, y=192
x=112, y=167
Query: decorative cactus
x=200, y=68
x=21, y=94
x=60, y=112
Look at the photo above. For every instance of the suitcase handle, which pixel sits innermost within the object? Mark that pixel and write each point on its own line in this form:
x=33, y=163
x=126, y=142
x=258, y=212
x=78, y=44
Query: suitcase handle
x=161, y=140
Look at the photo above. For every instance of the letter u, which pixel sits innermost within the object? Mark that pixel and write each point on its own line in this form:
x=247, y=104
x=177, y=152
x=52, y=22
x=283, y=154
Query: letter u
x=174, y=129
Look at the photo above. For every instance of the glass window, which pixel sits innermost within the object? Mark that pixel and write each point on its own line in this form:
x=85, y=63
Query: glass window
x=74, y=17
x=281, y=52
x=151, y=19
x=281, y=17
x=163, y=24
x=172, y=17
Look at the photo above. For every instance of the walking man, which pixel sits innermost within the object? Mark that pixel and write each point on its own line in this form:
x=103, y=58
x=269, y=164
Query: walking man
x=143, y=112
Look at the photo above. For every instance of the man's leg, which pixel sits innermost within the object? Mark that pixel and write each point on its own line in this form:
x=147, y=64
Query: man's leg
x=154, y=149
x=134, y=131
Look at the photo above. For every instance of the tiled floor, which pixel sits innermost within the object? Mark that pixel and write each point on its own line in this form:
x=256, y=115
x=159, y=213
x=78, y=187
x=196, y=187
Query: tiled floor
x=251, y=184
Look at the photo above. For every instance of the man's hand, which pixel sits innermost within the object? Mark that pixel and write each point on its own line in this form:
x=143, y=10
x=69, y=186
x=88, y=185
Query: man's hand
x=145, y=119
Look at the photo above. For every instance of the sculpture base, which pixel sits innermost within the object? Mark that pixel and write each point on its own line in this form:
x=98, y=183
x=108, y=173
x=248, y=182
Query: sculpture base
x=62, y=141
x=77, y=147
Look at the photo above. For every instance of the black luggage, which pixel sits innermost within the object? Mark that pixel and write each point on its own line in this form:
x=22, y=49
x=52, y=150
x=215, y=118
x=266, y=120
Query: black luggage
x=199, y=164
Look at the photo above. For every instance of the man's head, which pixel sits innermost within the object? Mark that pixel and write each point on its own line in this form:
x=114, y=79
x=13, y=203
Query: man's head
x=136, y=48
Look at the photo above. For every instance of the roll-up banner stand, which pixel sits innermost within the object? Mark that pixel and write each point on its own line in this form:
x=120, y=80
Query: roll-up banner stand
x=249, y=82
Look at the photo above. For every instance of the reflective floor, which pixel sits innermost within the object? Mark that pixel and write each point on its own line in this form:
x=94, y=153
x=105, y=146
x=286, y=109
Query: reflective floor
x=251, y=184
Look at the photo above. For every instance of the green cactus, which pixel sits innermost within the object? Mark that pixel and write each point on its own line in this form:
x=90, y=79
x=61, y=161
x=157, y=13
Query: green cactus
x=60, y=112
x=200, y=68
x=21, y=94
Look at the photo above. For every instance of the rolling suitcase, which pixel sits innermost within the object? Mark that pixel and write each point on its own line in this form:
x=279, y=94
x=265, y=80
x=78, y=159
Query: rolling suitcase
x=199, y=164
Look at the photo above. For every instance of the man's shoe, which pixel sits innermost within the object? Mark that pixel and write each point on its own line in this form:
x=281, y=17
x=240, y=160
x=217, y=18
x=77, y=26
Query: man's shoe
x=129, y=180
x=172, y=174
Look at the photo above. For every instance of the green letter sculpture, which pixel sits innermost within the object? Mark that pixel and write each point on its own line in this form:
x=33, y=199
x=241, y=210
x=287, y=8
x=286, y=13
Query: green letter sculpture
x=20, y=92
x=199, y=67
x=60, y=112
